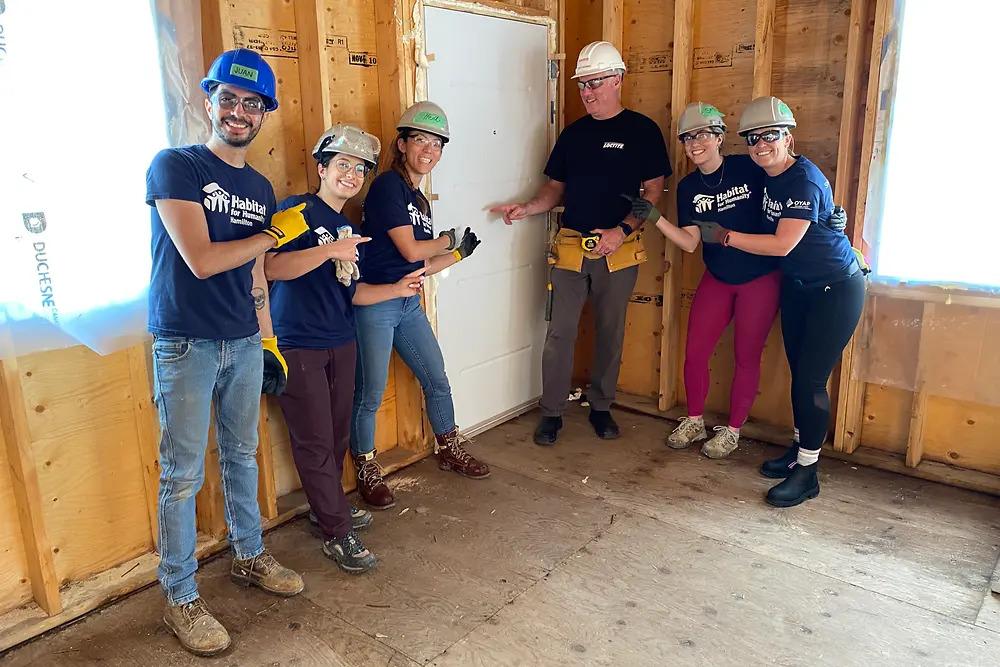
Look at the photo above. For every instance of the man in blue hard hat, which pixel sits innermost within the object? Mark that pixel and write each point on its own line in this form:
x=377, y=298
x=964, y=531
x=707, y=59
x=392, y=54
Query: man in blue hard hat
x=213, y=217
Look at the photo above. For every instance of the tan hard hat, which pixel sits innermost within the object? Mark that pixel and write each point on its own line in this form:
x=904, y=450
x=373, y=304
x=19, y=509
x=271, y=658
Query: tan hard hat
x=349, y=140
x=598, y=57
x=700, y=116
x=766, y=112
x=426, y=117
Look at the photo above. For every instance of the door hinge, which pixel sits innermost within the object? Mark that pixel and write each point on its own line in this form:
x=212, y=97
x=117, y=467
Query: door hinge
x=552, y=113
x=553, y=69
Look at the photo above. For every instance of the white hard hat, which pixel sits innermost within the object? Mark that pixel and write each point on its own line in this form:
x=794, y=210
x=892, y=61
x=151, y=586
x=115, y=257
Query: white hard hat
x=427, y=117
x=764, y=112
x=598, y=57
x=349, y=140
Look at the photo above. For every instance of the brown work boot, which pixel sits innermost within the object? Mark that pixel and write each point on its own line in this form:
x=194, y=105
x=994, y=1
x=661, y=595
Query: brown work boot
x=263, y=571
x=451, y=455
x=195, y=627
x=373, y=489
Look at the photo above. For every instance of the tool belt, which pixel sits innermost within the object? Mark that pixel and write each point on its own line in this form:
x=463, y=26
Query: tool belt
x=567, y=251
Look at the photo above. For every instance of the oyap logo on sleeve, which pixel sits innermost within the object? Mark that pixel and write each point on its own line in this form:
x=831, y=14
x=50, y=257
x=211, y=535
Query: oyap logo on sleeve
x=799, y=205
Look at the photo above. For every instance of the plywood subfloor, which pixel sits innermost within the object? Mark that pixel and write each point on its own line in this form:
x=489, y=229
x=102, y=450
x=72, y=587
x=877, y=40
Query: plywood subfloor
x=607, y=553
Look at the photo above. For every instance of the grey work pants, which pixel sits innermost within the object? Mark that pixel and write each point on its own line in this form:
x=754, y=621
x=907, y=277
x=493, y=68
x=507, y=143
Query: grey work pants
x=610, y=293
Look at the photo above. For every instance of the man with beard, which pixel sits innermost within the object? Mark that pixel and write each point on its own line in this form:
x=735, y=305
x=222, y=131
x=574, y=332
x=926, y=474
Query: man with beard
x=213, y=217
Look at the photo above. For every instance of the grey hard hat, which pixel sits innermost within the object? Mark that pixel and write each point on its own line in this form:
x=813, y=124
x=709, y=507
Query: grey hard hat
x=427, y=117
x=700, y=116
x=349, y=140
x=766, y=112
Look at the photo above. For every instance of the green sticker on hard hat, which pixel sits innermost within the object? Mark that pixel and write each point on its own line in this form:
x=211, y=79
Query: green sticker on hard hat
x=708, y=111
x=433, y=119
x=243, y=72
x=783, y=108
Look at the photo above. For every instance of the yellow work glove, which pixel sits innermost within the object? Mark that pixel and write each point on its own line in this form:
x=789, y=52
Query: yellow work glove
x=275, y=368
x=288, y=225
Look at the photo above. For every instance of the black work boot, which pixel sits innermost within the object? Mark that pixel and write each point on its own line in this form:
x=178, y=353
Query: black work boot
x=782, y=466
x=547, y=431
x=801, y=485
x=604, y=425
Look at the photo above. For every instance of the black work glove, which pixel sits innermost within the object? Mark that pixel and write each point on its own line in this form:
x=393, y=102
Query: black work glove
x=468, y=244
x=711, y=232
x=838, y=219
x=275, y=368
x=452, y=235
x=643, y=209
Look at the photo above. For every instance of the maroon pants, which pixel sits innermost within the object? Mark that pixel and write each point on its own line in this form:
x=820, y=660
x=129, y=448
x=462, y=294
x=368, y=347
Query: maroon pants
x=317, y=406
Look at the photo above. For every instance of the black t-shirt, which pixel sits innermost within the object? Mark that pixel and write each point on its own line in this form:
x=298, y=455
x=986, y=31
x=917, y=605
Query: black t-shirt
x=391, y=203
x=314, y=311
x=730, y=196
x=599, y=160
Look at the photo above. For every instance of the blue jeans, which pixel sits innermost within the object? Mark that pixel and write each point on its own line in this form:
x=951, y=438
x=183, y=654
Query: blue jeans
x=398, y=323
x=189, y=375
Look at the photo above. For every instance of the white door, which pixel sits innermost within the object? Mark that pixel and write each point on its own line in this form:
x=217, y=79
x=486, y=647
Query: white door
x=490, y=76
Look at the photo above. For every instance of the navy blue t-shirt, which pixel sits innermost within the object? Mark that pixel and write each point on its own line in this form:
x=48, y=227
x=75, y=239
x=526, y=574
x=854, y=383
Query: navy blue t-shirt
x=600, y=160
x=803, y=192
x=730, y=196
x=314, y=310
x=391, y=203
x=237, y=202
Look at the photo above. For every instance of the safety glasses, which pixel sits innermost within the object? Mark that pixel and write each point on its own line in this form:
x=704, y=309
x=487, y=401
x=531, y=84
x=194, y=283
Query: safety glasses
x=345, y=167
x=700, y=135
x=594, y=83
x=423, y=140
x=770, y=136
x=251, y=105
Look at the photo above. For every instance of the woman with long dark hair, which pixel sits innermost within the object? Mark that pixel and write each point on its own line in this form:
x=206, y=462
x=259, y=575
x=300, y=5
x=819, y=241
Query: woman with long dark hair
x=397, y=217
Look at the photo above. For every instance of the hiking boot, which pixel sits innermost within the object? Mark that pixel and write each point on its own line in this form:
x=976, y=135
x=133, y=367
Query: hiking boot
x=373, y=489
x=360, y=518
x=350, y=554
x=722, y=444
x=264, y=571
x=604, y=425
x=547, y=431
x=782, y=466
x=195, y=628
x=689, y=430
x=451, y=455
x=800, y=485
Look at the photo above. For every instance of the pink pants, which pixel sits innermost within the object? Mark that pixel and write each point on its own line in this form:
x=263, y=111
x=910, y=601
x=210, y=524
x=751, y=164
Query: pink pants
x=754, y=305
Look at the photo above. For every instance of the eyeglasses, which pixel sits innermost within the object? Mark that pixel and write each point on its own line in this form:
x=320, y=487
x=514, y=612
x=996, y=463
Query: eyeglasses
x=424, y=141
x=700, y=135
x=594, y=83
x=770, y=136
x=251, y=105
x=345, y=167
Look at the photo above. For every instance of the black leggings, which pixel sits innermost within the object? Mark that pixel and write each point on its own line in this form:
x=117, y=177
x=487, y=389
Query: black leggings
x=817, y=323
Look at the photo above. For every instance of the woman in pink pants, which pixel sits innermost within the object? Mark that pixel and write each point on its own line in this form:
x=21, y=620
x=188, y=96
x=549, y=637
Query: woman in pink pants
x=736, y=286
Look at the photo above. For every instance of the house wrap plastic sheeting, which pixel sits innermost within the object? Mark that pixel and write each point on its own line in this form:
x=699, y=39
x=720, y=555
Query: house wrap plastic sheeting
x=86, y=92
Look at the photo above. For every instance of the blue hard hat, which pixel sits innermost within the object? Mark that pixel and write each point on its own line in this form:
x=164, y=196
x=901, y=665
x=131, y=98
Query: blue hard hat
x=244, y=68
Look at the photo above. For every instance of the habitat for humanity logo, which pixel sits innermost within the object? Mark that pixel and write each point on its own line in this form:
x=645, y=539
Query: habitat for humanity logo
x=244, y=211
x=217, y=199
x=703, y=203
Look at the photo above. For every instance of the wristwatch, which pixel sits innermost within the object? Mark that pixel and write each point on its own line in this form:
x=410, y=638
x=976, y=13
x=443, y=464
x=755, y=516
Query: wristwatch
x=627, y=228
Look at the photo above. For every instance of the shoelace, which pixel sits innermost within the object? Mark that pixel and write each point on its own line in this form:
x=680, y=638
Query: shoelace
x=455, y=447
x=370, y=472
x=689, y=426
x=194, y=610
x=353, y=544
x=265, y=563
x=727, y=434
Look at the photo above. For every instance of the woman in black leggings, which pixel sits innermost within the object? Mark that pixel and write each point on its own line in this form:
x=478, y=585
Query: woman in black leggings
x=822, y=292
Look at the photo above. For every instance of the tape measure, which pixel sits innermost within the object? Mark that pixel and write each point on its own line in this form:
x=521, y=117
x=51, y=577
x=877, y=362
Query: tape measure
x=589, y=243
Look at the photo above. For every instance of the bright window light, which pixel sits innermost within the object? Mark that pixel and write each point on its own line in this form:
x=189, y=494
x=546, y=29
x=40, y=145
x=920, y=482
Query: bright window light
x=82, y=116
x=940, y=222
